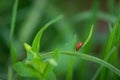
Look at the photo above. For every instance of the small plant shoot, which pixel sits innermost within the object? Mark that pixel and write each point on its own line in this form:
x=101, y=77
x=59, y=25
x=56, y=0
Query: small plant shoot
x=38, y=40
x=44, y=67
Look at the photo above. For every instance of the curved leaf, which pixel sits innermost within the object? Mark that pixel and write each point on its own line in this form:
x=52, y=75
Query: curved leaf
x=36, y=41
x=89, y=36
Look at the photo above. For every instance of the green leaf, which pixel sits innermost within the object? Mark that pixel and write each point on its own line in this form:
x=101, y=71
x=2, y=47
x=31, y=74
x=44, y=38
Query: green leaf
x=36, y=41
x=27, y=47
x=14, y=13
x=56, y=55
x=101, y=67
x=12, y=47
x=13, y=53
x=33, y=18
x=114, y=38
x=39, y=65
x=30, y=54
x=69, y=75
x=89, y=36
x=34, y=60
x=70, y=69
x=25, y=70
x=113, y=41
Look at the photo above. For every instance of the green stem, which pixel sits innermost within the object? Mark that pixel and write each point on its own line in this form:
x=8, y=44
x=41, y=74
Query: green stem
x=10, y=73
x=90, y=58
x=14, y=13
x=70, y=69
x=12, y=50
x=96, y=60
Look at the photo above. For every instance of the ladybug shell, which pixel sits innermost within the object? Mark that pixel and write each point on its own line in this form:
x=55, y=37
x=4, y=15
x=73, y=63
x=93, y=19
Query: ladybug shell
x=78, y=46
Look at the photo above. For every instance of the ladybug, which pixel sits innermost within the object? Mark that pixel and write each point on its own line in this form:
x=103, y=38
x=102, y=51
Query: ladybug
x=79, y=45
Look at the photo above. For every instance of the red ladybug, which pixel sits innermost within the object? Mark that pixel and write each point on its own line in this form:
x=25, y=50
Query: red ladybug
x=78, y=46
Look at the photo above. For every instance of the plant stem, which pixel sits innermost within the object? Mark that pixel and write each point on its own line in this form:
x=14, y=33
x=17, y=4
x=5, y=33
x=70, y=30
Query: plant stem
x=14, y=13
x=96, y=60
x=70, y=69
x=90, y=58
x=12, y=50
x=9, y=73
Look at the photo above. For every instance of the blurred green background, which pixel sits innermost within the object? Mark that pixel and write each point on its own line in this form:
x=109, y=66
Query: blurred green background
x=79, y=15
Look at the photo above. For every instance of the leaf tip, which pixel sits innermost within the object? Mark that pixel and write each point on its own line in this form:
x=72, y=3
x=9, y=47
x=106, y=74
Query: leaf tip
x=27, y=47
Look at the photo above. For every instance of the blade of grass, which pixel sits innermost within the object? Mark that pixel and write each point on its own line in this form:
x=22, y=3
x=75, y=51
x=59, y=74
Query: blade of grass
x=33, y=18
x=100, y=68
x=10, y=73
x=108, y=55
x=12, y=48
x=71, y=63
x=89, y=36
x=110, y=28
x=88, y=14
x=13, y=55
x=14, y=13
x=36, y=41
x=70, y=69
x=114, y=40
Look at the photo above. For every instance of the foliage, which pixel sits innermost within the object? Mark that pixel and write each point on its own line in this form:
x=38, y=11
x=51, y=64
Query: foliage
x=92, y=28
